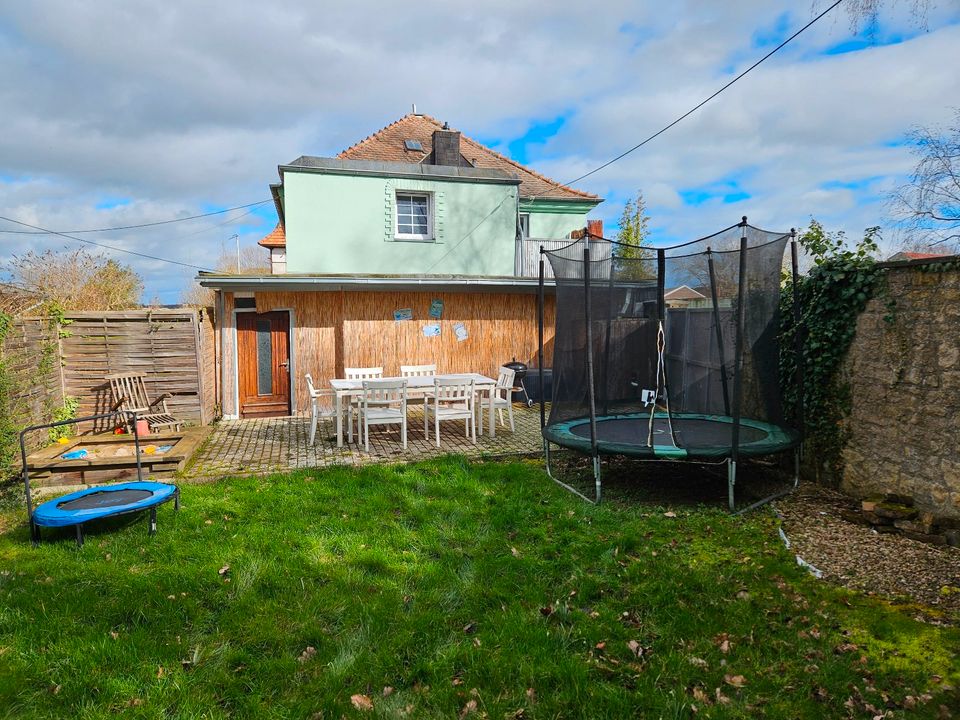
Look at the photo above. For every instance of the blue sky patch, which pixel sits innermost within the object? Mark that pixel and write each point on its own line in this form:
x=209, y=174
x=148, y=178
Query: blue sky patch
x=109, y=203
x=773, y=34
x=537, y=134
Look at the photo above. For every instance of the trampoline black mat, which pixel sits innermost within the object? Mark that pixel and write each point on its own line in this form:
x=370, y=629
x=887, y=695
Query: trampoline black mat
x=105, y=498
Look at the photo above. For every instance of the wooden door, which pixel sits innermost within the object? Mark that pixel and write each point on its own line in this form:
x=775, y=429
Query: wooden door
x=263, y=360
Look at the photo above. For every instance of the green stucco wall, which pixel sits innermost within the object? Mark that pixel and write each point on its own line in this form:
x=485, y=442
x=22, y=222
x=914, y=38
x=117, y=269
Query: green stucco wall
x=344, y=224
x=555, y=225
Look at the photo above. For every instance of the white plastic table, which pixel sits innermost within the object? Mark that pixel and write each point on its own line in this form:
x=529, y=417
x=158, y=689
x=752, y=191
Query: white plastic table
x=419, y=384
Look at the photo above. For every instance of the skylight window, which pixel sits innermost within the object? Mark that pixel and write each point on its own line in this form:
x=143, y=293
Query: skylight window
x=413, y=145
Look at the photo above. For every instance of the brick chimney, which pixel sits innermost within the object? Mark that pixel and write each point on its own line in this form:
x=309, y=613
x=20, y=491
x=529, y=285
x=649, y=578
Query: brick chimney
x=446, y=146
x=595, y=228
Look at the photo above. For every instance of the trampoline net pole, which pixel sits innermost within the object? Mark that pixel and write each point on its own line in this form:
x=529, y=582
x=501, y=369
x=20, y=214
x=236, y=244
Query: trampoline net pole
x=738, y=357
x=540, y=303
x=591, y=393
x=797, y=336
x=716, y=322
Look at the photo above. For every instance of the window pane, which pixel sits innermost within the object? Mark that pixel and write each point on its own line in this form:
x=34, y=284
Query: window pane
x=264, y=359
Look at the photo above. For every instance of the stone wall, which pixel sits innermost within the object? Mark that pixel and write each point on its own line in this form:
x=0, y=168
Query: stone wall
x=904, y=374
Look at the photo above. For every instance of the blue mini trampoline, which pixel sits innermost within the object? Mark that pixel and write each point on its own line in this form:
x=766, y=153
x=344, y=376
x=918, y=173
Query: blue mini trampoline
x=96, y=503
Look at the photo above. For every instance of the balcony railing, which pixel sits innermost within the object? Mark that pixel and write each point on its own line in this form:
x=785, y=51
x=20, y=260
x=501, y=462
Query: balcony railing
x=527, y=257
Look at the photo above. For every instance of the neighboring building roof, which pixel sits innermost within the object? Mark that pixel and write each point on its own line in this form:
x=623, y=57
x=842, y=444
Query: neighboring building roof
x=916, y=256
x=276, y=239
x=389, y=145
x=684, y=292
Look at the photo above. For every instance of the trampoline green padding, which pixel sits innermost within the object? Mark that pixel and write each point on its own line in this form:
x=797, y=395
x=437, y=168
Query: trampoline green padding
x=707, y=437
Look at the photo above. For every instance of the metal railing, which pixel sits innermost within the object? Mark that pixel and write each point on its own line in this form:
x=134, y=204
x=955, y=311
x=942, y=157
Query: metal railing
x=527, y=256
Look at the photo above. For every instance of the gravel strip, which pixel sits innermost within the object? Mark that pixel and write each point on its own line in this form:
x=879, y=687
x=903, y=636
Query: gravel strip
x=857, y=557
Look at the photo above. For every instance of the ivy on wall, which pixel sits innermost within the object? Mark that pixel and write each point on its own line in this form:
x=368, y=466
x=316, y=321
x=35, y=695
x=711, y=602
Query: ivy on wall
x=832, y=296
x=11, y=413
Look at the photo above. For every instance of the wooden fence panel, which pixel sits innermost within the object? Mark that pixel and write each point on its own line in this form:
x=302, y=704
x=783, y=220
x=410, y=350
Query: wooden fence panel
x=165, y=346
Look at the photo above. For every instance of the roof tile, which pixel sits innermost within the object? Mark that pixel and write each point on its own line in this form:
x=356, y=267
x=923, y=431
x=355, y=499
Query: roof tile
x=387, y=145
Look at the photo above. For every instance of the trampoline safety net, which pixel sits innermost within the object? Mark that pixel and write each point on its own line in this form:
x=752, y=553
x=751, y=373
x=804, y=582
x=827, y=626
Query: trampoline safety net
x=683, y=345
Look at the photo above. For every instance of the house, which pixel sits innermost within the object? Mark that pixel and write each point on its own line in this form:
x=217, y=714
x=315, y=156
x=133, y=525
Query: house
x=415, y=197
x=415, y=245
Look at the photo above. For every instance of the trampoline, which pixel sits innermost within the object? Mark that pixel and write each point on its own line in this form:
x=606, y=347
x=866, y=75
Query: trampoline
x=670, y=353
x=99, y=502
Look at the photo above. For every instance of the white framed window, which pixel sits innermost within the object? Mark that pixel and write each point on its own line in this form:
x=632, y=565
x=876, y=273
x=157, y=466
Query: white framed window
x=524, y=225
x=414, y=216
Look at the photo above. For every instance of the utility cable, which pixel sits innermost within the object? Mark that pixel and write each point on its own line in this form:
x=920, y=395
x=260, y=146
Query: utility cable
x=132, y=227
x=700, y=104
x=106, y=247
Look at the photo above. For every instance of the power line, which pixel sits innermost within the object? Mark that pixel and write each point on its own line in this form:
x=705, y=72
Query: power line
x=134, y=227
x=700, y=104
x=44, y=231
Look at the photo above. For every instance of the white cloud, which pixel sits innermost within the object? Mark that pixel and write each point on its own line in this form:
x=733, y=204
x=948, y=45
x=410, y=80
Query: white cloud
x=177, y=106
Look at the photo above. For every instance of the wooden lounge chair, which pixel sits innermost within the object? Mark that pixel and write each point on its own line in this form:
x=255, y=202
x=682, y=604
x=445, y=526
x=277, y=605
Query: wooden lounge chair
x=130, y=394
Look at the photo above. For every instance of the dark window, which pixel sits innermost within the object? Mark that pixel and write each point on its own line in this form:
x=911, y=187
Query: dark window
x=264, y=359
x=245, y=303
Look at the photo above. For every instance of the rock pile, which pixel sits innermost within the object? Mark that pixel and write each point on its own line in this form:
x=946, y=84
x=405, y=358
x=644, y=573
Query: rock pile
x=896, y=514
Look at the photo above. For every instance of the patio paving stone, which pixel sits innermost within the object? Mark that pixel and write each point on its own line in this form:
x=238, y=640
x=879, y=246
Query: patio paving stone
x=265, y=445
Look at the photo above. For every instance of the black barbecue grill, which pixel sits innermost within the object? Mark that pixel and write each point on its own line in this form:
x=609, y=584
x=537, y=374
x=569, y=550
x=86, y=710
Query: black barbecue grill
x=520, y=393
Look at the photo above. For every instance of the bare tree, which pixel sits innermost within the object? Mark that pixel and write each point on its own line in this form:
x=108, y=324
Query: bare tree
x=866, y=13
x=77, y=279
x=929, y=204
x=253, y=261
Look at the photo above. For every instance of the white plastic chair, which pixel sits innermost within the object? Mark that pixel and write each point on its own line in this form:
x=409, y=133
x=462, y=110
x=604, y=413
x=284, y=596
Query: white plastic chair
x=417, y=371
x=451, y=399
x=501, y=396
x=384, y=402
x=322, y=405
x=358, y=373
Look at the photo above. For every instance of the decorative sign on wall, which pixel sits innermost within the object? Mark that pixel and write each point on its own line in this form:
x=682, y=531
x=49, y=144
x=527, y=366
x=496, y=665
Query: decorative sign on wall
x=403, y=314
x=460, y=330
x=436, y=308
x=431, y=330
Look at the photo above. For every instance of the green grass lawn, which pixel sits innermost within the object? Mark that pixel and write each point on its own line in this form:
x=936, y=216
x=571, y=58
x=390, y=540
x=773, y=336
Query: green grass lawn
x=444, y=589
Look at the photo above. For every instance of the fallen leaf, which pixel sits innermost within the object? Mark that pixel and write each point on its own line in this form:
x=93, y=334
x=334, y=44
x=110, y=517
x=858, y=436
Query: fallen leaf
x=307, y=654
x=737, y=681
x=547, y=611
x=635, y=648
x=670, y=514
x=743, y=595
x=514, y=552
x=361, y=702
x=159, y=671
x=133, y=702
x=600, y=645
x=700, y=696
x=844, y=648
x=224, y=570
x=699, y=662
x=476, y=642
x=208, y=522
x=114, y=635
x=721, y=698
x=387, y=691
x=469, y=708
x=470, y=628
x=456, y=681
x=722, y=641
x=531, y=695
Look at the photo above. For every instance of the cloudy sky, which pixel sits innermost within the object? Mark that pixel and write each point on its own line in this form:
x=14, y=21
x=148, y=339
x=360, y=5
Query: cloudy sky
x=121, y=112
